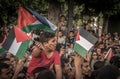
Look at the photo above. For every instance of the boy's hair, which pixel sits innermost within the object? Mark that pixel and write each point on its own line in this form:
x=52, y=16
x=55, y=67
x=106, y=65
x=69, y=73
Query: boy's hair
x=46, y=74
x=71, y=31
x=38, y=69
x=3, y=66
x=98, y=65
x=44, y=36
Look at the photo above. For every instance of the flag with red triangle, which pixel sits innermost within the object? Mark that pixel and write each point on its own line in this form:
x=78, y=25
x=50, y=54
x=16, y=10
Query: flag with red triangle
x=16, y=48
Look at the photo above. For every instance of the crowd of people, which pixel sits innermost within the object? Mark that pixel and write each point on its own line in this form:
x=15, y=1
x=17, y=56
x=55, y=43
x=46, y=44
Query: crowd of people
x=51, y=56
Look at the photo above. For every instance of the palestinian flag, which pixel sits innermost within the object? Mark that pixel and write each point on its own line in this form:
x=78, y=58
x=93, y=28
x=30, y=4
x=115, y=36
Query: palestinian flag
x=84, y=42
x=29, y=20
x=109, y=54
x=17, y=49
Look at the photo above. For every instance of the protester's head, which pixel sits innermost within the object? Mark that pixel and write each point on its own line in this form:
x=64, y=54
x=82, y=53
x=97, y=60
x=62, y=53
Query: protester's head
x=85, y=67
x=94, y=74
x=46, y=74
x=48, y=40
x=44, y=36
x=108, y=72
x=101, y=45
x=98, y=65
x=98, y=50
x=94, y=55
x=37, y=70
x=71, y=33
x=115, y=60
x=62, y=18
x=60, y=33
x=5, y=71
x=5, y=60
x=87, y=27
x=8, y=55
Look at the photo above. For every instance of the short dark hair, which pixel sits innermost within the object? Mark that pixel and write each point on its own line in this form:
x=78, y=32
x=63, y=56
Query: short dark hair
x=44, y=36
x=98, y=65
x=115, y=60
x=108, y=72
x=4, y=59
x=46, y=74
x=38, y=69
x=3, y=66
x=71, y=31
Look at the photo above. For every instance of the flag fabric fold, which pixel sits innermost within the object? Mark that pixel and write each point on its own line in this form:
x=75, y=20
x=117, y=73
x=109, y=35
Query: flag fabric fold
x=29, y=20
x=84, y=42
x=43, y=20
x=24, y=18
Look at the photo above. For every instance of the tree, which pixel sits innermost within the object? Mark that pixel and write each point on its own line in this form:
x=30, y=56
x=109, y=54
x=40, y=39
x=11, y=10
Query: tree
x=9, y=13
x=106, y=7
x=70, y=14
x=54, y=11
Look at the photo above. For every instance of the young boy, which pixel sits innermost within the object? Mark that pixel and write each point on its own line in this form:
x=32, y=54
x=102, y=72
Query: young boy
x=44, y=54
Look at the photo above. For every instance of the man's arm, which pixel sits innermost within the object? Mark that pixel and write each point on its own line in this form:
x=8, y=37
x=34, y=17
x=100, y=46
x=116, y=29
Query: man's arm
x=78, y=71
x=19, y=66
x=58, y=72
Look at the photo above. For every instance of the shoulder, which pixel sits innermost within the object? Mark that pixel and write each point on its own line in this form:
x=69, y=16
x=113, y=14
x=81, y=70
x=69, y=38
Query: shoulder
x=56, y=53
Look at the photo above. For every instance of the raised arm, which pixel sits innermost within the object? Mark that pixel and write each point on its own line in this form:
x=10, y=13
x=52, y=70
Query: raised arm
x=78, y=71
x=37, y=49
x=58, y=72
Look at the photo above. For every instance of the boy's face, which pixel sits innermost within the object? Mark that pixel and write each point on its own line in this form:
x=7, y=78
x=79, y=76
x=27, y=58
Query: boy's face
x=51, y=44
